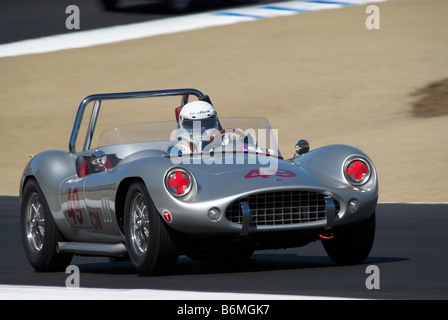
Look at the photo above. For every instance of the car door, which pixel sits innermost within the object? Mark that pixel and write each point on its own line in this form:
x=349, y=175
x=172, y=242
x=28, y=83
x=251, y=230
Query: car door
x=73, y=203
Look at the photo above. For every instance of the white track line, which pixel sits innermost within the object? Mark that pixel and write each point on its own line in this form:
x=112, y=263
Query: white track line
x=80, y=39
x=11, y=292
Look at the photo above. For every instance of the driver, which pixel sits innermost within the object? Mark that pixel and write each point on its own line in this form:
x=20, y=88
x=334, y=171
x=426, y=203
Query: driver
x=198, y=121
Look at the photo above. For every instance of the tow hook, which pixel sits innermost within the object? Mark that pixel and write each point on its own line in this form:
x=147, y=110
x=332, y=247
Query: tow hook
x=326, y=235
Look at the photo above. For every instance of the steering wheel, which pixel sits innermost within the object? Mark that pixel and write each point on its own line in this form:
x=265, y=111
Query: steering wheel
x=223, y=131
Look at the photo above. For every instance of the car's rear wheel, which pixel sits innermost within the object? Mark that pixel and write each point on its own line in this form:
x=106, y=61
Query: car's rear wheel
x=39, y=231
x=151, y=244
x=351, y=245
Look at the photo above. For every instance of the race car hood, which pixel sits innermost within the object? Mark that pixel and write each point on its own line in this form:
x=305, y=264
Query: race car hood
x=320, y=170
x=242, y=174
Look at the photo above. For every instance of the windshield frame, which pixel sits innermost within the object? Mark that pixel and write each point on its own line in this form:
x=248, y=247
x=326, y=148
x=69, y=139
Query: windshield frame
x=97, y=99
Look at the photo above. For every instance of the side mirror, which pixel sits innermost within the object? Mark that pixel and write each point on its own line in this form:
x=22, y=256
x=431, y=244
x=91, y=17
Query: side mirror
x=302, y=147
x=98, y=158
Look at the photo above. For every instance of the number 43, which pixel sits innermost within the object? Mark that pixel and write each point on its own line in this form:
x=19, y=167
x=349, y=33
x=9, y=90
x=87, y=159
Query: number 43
x=269, y=173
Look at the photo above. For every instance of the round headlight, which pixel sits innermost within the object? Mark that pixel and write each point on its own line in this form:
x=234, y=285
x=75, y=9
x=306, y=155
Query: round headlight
x=357, y=171
x=214, y=214
x=353, y=205
x=178, y=182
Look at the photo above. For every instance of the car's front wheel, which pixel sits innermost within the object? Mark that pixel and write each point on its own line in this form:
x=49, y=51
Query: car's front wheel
x=151, y=244
x=351, y=245
x=39, y=231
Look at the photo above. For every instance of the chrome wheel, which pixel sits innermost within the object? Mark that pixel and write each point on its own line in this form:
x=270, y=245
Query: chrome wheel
x=40, y=234
x=151, y=246
x=139, y=224
x=35, y=223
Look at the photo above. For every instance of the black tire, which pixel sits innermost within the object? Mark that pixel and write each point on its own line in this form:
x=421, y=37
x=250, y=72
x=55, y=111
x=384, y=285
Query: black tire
x=151, y=244
x=351, y=245
x=39, y=231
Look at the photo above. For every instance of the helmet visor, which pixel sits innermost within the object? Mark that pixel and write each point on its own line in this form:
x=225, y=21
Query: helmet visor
x=202, y=124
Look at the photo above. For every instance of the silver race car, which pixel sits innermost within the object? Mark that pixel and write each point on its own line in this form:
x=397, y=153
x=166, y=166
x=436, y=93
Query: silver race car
x=206, y=187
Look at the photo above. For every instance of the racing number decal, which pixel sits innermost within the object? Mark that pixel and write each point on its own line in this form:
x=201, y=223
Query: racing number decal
x=274, y=172
x=95, y=220
x=74, y=211
x=73, y=206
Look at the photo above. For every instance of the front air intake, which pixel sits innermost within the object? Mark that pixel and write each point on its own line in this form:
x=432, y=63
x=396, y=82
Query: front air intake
x=281, y=208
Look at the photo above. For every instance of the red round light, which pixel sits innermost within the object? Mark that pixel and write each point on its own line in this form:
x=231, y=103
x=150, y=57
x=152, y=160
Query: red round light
x=357, y=171
x=178, y=182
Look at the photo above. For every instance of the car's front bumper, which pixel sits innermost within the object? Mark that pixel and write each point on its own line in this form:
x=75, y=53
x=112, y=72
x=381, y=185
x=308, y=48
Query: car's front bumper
x=282, y=209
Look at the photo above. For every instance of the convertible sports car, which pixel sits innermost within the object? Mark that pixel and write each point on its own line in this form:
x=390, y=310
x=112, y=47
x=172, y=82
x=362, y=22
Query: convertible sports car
x=150, y=192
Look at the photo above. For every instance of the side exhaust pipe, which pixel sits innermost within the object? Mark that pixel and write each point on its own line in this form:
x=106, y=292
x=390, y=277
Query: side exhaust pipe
x=92, y=249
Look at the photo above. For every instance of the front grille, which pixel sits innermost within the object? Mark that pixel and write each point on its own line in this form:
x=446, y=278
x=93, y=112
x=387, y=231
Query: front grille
x=281, y=208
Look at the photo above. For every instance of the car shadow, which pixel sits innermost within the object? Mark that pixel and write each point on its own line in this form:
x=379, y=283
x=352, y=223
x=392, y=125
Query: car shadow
x=257, y=263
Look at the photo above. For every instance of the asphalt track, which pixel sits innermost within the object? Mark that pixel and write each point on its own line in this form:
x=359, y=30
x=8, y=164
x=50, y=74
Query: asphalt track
x=410, y=251
x=24, y=19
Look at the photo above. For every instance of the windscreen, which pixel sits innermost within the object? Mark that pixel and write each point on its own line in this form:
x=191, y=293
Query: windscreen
x=249, y=135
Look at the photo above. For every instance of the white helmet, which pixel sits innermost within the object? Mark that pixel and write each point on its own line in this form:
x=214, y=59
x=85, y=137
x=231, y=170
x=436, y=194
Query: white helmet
x=197, y=112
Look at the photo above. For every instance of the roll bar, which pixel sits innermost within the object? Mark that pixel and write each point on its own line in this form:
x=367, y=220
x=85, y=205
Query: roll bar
x=98, y=98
